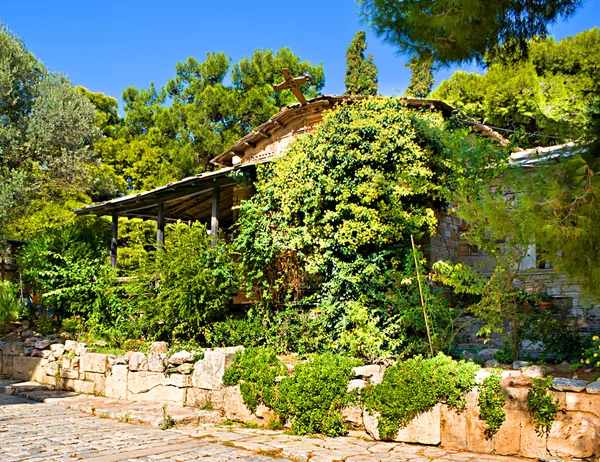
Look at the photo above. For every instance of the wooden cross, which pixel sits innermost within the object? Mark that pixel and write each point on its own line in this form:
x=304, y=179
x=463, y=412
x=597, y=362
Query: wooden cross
x=293, y=84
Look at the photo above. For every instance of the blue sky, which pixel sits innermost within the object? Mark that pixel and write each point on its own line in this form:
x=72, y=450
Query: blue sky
x=109, y=45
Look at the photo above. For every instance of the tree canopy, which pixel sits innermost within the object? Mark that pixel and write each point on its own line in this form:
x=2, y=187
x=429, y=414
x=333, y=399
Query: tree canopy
x=456, y=31
x=361, y=71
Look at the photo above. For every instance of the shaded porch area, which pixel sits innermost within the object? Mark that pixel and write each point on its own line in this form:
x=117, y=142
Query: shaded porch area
x=209, y=198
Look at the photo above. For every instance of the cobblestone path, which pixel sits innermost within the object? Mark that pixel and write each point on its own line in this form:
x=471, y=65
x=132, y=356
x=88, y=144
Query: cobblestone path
x=33, y=431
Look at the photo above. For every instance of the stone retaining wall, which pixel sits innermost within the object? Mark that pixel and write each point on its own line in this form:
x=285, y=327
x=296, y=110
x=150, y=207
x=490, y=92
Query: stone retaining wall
x=192, y=379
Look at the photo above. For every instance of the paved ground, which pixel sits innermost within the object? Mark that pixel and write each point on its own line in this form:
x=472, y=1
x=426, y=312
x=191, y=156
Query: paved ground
x=34, y=431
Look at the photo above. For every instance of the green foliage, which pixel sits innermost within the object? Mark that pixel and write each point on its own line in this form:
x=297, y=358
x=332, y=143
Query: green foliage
x=457, y=32
x=255, y=369
x=361, y=71
x=549, y=94
x=46, y=131
x=415, y=385
x=187, y=285
x=491, y=404
x=10, y=303
x=421, y=80
x=591, y=355
x=312, y=412
x=339, y=210
x=542, y=405
x=505, y=355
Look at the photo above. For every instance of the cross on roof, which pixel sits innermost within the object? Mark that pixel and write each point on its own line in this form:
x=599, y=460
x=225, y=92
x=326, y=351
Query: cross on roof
x=293, y=84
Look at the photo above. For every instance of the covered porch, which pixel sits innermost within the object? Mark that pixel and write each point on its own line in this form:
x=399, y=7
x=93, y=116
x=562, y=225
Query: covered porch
x=208, y=197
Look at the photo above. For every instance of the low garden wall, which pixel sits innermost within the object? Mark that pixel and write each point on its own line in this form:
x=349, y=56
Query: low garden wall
x=195, y=379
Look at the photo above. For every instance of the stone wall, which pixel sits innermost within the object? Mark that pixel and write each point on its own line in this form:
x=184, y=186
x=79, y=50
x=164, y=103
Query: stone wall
x=195, y=379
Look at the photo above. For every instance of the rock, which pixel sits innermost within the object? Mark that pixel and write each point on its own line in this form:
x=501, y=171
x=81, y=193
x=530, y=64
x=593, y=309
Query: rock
x=564, y=367
x=352, y=416
x=13, y=348
x=58, y=349
x=481, y=375
x=488, y=353
x=156, y=361
x=30, y=342
x=491, y=363
x=366, y=371
x=95, y=362
x=53, y=369
x=81, y=348
x=279, y=378
x=26, y=333
x=534, y=372
x=70, y=345
x=573, y=435
x=46, y=354
x=234, y=407
x=519, y=364
x=357, y=384
x=159, y=347
x=42, y=344
x=593, y=388
x=562, y=384
x=27, y=351
x=208, y=372
x=100, y=343
x=36, y=353
x=138, y=362
x=181, y=357
x=121, y=360
x=185, y=368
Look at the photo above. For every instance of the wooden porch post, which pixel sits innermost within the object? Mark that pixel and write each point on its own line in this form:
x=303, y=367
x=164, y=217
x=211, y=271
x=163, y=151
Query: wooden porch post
x=214, y=219
x=160, y=231
x=113, y=242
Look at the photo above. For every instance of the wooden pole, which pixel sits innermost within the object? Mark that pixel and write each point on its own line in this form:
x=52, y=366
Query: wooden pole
x=114, y=243
x=412, y=241
x=214, y=219
x=160, y=230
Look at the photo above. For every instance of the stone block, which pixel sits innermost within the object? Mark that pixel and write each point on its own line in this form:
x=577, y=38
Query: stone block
x=99, y=381
x=453, y=428
x=352, y=416
x=181, y=357
x=53, y=369
x=159, y=347
x=28, y=368
x=574, y=435
x=532, y=444
x=81, y=386
x=476, y=439
x=235, y=409
x=196, y=397
x=562, y=384
x=516, y=399
x=116, y=382
x=157, y=361
x=507, y=441
x=423, y=429
x=154, y=386
x=69, y=374
x=584, y=402
x=13, y=348
x=138, y=362
x=208, y=372
x=95, y=362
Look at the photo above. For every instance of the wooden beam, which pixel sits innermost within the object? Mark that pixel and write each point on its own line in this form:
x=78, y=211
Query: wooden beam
x=214, y=219
x=160, y=229
x=114, y=243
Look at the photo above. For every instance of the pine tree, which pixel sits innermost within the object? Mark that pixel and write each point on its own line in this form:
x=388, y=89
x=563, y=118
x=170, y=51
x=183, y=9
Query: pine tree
x=361, y=72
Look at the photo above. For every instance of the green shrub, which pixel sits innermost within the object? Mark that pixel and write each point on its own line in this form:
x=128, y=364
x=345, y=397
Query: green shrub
x=255, y=369
x=10, y=304
x=542, y=405
x=591, y=355
x=505, y=354
x=415, y=385
x=491, y=404
x=314, y=395
x=188, y=285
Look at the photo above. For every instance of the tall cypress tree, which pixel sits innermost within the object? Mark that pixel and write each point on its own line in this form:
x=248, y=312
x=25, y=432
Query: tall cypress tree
x=421, y=80
x=361, y=71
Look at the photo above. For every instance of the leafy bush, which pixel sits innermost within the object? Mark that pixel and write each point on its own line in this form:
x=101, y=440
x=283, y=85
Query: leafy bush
x=491, y=404
x=591, y=355
x=415, y=385
x=10, y=304
x=542, y=405
x=63, y=264
x=188, y=285
x=314, y=395
x=505, y=355
x=255, y=369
